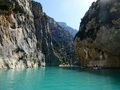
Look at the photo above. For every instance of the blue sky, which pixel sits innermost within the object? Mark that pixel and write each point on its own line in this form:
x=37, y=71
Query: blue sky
x=69, y=11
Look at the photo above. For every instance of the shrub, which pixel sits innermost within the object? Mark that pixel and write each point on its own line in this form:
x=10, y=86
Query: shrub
x=1, y=23
x=38, y=44
x=35, y=60
x=45, y=16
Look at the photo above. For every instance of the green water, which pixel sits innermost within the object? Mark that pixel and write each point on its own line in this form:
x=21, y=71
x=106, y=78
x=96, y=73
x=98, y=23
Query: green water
x=55, y=78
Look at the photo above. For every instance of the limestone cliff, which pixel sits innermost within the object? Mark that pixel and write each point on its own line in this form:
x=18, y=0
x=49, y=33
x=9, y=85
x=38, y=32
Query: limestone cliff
x=62, y=43
x=26, y=36
x=43, y=34
x=68, y=28
x=17, y=35
x=56, y=43
x=98, y=39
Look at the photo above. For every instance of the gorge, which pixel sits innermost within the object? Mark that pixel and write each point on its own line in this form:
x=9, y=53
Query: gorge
x=98, y=39
x=39, y=53
x=29, y=37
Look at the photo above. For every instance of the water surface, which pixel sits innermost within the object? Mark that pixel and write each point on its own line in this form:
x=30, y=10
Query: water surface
x=55, y=78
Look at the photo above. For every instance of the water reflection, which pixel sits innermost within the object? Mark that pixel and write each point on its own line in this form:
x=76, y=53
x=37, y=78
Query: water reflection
x=45, y=78
x=21, y=78
x=111, y=76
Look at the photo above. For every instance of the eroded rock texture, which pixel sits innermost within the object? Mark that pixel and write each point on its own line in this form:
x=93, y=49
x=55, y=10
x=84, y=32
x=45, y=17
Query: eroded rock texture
x=62, y=43
x=55, y=42
x=28, y=37
x=17, y=35
x=98, y=39
x=68, y=28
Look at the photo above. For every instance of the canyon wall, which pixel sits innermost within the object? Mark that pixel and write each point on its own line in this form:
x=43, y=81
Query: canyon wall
x=27, y=37
x=98, y=39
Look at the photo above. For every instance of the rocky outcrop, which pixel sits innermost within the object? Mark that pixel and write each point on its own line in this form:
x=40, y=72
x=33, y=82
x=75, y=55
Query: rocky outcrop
x=29, y=37
x=43, y=34
x=98, y=39
x=55, y=42
x=17, y=35
x=68, y=28
x=62, y=43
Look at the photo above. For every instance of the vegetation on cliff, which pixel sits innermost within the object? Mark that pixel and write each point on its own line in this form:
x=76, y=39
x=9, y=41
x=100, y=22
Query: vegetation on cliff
x=27, y=39
x=98, y=39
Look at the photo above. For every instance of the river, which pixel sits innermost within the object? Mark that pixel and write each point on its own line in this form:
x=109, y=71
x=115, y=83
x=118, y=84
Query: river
x=55, y=78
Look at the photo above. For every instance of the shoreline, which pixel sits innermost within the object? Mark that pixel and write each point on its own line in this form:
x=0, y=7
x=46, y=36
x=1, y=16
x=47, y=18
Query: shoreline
x=61, y=65
x=102, y=68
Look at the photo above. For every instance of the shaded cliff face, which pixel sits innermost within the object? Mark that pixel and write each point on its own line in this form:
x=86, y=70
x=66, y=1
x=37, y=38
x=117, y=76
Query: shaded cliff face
x=68, y=28
x=17, y=35
x=55, y=42
x=28, y=37
x=98, y=39
x=43, y=34
x=62, y=43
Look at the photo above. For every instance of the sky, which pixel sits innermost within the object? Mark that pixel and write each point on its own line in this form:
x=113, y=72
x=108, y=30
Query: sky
x=69, y=11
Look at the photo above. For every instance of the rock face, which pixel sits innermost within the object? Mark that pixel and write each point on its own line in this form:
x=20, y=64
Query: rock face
x=98, y=39
x=17, y=34
x=55, y=42
x=62, y=43
x=43, y=34
x=26, y=36
x=68, y=28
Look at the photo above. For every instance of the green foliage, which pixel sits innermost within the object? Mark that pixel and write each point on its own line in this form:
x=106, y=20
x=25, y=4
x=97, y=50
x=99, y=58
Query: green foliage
x=23, y=56
x=31, y=22
x=45, y=16
x=38, y=44
x=6, y=9
x=80, y=34
x=2, y=23
x=36, y=59
x=57, y=44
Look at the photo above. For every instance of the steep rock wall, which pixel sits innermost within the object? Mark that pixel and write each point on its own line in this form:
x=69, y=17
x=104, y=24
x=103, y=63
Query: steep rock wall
x=29, y=37
x=55, y=42
x=62, y=43
x=98, y=39
x=43, y=34
x=17, y=35
x=68, y=28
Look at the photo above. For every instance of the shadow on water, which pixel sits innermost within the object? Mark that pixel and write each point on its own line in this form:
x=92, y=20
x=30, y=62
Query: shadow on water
x=112, y=73
x=45, y=77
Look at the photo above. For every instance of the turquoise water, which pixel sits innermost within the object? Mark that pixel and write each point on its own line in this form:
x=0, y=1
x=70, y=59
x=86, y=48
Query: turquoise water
x=55, y=78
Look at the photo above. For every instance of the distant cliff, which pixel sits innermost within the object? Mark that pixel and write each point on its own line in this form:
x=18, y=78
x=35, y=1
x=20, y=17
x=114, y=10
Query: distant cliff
x=63, y=43
x=98, y=39
x=68, y=28
x=29, y=37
